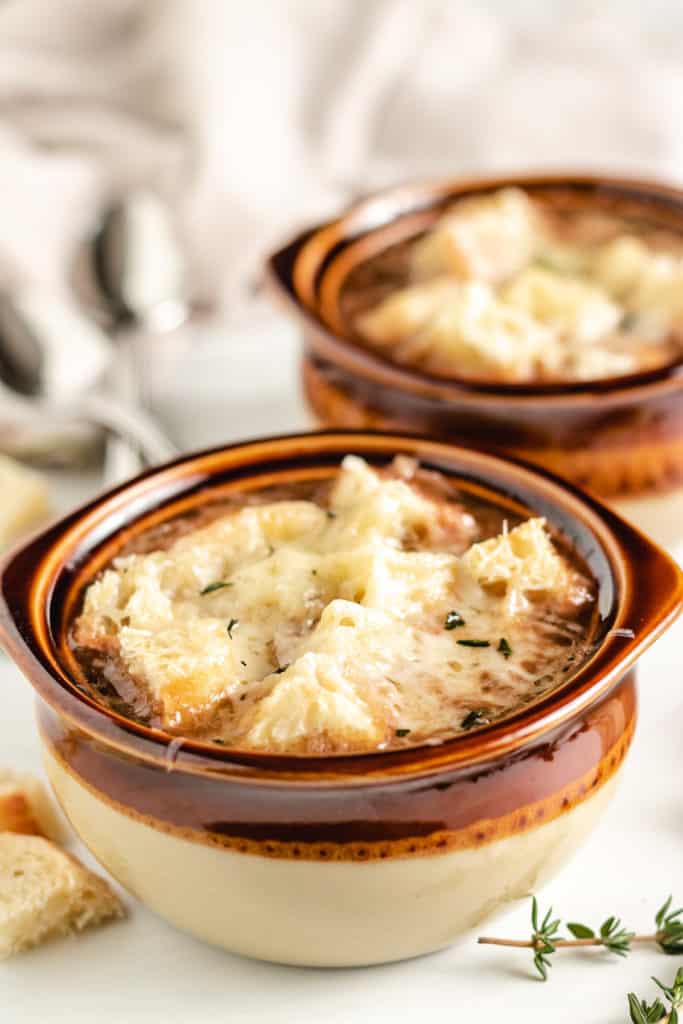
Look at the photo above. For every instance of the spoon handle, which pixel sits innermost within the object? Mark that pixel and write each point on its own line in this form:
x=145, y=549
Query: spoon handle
x=121, y=462
x=134, y=425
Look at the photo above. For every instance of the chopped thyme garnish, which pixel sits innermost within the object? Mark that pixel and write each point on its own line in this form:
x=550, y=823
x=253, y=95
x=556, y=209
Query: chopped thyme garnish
x=474, y=718
x=280, y=669
x=453, y=619
x=231, y=626
x=504, y=648
x=402, y=732
x=543, y=680
x=474, y=643
x=628, y=321
x=243, y=663
x=219, y=741
x=213, y=587
x=330, y=514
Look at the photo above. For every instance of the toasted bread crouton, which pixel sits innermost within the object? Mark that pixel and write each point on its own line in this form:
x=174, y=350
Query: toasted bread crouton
x=45, y=892
x=26, y=808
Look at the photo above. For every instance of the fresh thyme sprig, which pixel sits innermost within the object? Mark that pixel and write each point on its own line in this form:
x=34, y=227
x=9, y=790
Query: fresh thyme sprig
x=642, y=1012
x=544, y=938
x=612, y=936
x=669, y=935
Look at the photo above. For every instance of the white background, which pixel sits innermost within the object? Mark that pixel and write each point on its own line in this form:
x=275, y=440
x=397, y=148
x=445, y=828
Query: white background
x=143, y=970
x=253, y=117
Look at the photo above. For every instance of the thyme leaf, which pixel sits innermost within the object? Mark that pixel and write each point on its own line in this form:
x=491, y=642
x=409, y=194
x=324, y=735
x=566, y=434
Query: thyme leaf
x=504, y=648
x=669, y=929
x=213, y=587
x=642, y=1012
x=453, y=619
x=475, y=718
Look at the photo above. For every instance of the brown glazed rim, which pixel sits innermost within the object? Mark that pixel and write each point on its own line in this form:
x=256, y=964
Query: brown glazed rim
x=640, y=590
x=301, y=270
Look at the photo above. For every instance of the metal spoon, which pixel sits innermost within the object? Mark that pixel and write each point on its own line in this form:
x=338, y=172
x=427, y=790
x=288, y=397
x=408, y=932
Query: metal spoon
x=137, y=264
x=135, y=276
x=55, y=360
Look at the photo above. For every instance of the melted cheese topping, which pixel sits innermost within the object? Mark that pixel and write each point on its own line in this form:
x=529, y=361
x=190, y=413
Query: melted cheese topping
x=289, y=627
x=567, y=305
x=444, y=324
x=494, y=294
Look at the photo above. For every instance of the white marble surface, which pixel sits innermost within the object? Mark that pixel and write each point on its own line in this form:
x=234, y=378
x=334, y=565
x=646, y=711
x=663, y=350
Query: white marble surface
x=143, y=970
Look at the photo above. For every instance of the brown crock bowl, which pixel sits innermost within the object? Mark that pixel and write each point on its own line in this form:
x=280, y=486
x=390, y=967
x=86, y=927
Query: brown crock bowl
x=621, y=437
x=335, y=860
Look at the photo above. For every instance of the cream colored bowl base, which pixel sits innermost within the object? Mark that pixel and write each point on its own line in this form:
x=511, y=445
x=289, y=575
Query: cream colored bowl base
x=335, y=914
x=660, y=516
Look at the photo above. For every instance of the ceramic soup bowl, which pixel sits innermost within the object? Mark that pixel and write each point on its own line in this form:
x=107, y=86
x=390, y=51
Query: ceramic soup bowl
x=621, y=437
x=339, y=860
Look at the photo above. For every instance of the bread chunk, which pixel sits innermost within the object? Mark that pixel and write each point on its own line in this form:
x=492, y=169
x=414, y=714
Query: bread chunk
x=45, y=892
x=25, y=503
x=25, y=807
x=487, y=238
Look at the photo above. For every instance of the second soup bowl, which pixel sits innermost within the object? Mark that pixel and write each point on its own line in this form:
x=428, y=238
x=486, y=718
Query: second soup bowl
x=621, y=437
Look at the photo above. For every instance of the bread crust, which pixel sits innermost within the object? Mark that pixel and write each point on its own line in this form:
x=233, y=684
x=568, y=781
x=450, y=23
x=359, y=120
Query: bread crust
x=25, y=807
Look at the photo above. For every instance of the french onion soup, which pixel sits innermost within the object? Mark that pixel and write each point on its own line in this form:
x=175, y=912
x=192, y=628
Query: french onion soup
x=514, y=289
x=376, y=610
